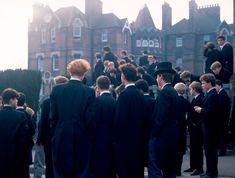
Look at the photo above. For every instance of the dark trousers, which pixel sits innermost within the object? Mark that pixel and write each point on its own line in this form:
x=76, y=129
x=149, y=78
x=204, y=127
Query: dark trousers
x=196, y=147
x=211, y=140
x=48, y=161
x=154, y=170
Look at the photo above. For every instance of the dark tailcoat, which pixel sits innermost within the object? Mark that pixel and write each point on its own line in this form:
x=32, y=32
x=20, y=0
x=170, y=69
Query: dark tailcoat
x=195, y=130
x=98, y=69
x=224, y=114
x=70, y=103
x=227, y=57
x=129, y=134
x=210, y=127
x=149, y=103
x=109, y=56
x=14, y=138
x=211, y=55
x=143, y=61
x=164, y=140
x=102, y=117
x=44, y=136
x=183, y=111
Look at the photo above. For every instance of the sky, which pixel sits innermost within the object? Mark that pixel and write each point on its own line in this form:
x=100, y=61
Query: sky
x=15, y=14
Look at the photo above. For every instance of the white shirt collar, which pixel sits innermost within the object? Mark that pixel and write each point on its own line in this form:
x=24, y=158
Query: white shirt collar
x=19, y=107
x=103, y=92
x=129, y=84
x=72, y=78
x=210, y=89
x=196, y=95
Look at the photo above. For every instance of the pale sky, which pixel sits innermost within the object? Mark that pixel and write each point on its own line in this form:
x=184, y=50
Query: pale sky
x=14, y=15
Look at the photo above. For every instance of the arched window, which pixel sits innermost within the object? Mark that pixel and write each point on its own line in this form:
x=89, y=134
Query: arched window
x=125, y=37
x=77, y=28
x=55, y=63
x=224, y=32
x=40, y=63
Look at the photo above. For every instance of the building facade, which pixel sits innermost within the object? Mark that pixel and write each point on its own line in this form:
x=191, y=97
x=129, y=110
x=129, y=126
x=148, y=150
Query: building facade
x=56, y=38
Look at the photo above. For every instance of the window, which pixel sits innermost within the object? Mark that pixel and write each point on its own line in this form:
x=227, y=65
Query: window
x=179, y=62
x=179, y=42
x=138, y=43
x=104, y=36
x=55, y=63
x=125, y=37
x=77, y=28
x=145, y=43
x=151, y=43
x=224, y=32
x=43, y=36
x=53, y=34
x=40, y=63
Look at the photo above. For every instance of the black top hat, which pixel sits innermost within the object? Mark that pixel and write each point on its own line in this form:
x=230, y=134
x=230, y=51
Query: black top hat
x=164, y=67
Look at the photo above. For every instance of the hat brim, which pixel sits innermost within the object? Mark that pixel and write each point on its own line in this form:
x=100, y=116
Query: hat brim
x=164, y=71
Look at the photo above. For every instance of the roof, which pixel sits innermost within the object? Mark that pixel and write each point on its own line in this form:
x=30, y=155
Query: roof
x=203, y=23
x=109, y=20
x=144, y=19
x=67, y=14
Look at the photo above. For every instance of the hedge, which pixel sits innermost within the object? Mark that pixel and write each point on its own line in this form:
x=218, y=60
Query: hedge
x=26, y=81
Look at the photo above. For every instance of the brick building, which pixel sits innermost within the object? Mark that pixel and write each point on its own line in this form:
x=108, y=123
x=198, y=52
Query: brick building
x=55, y=38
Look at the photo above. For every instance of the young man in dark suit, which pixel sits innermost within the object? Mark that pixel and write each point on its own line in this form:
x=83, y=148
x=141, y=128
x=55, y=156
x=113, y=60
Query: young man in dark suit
x=195, y=131
x=102, y=117
x=163, y=145
x=99, y=66
x=71, y=144
x=226, y=50
x=224, y=114
x=149, y=102
x=32, y=126
x=209, y=112
x=129, y=127
x=14, y=138
x=44, y=135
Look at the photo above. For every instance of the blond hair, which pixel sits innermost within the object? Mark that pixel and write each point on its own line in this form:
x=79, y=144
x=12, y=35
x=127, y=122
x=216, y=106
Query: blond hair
x=215, y=65
x=78, y=67
x=180, y=88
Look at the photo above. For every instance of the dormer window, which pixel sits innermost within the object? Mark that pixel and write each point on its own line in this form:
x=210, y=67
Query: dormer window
x=77, y=28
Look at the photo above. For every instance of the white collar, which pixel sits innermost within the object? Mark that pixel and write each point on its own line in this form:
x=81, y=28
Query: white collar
x=105, y=91
x=210, y=89
x=72, y=78
x=196, y=95
x=129, y=84
x=19, y=107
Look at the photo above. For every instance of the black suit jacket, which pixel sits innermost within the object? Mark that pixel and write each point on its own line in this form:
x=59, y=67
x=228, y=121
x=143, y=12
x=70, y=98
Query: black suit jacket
x=44, y=134
x=129, y=132
x=227, y=57
x=194, y=118
x=70, y=102
x=14, y=138
x=166, y=128
x=102, y=117
x=224, y=108
x=98, y=69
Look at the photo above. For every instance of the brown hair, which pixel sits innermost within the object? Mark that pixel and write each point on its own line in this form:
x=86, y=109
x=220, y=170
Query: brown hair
x=197, y=86
x=208, y=78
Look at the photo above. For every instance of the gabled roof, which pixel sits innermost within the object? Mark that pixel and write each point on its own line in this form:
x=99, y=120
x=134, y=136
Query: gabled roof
x=109, y=20
x=144, y=19
x=180, y=27
x=67, y=14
